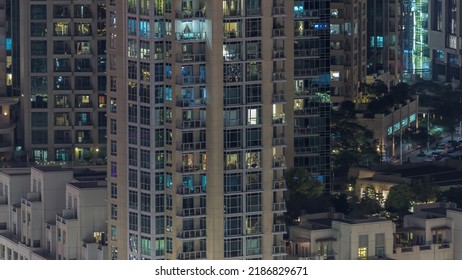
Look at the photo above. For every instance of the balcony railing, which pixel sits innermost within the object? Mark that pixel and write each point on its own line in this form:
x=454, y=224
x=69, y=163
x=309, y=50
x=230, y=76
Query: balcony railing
x=192, y=102
x=232, y=13
x=190, y=13
x=232, y=34
x=280, y=249
x=186, y=36
x=279, y=97
x=279, y=119
x=279, y=75
x=195, y=233
x=197, y=255
x=279, y=184
x=191, y=190
x=190, y=57
x=190, y=124
x=279, y=10
x=279, y=228
x=191, y=168
x=190, y=80
x=191, y=146
x=279, y=206
x=279, y=141
x=278, y=32
x=191, y=212
x=279, y=53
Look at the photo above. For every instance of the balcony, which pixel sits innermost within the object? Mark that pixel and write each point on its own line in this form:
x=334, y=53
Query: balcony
x=279, y=228
x=190, y=80
x=186, y=14
x=191, y=36
x=279, y=11
x=278, y=32
x=279, y=141
x=279, y=206
x=279, y=250
x=191, y=168
x=279, y=119
x=191, y=190
x=279, y=53
x=191, y=102
x=279, y=185
x=190, y=124
x=192, y=146
x=279, y=162
x=233, y=166
x=192, y=234
x=279, y=97
x=197, y=255
x=232, y=13
x=190, y=57
x=192, y=212
x=232, y=34
x=279, y=75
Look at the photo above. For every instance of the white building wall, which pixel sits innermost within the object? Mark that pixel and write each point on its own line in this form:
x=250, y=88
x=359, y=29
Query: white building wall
x=456, y=216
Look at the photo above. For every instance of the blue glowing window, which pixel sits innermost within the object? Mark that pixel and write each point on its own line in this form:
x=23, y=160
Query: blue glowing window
x=8, y=44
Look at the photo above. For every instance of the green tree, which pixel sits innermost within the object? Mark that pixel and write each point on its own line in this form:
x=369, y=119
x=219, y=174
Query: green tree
x=304, y=193
x=423, y=189
x=369, y=204
x=299, y=182
x=352, y=145
x=399, y=199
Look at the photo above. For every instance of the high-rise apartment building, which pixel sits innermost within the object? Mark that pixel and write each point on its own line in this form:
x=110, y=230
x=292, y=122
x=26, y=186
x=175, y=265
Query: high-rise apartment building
x=384, y=41
x=8, y=104
x=348, y=48
x=445, y=41
x=209, y=102
x=63, y=80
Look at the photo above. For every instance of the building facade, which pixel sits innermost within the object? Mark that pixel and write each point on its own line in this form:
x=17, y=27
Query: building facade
x=8, y=103
x=445, y=37
x=430, y=233
x=348, y=48
x=384, y=41
x=416, y=52
x=45, y=216
x=62, y=64
x=209, y=102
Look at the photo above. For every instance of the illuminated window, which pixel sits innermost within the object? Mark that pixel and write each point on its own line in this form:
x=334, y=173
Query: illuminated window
x=362, y=247
x=335, y=75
